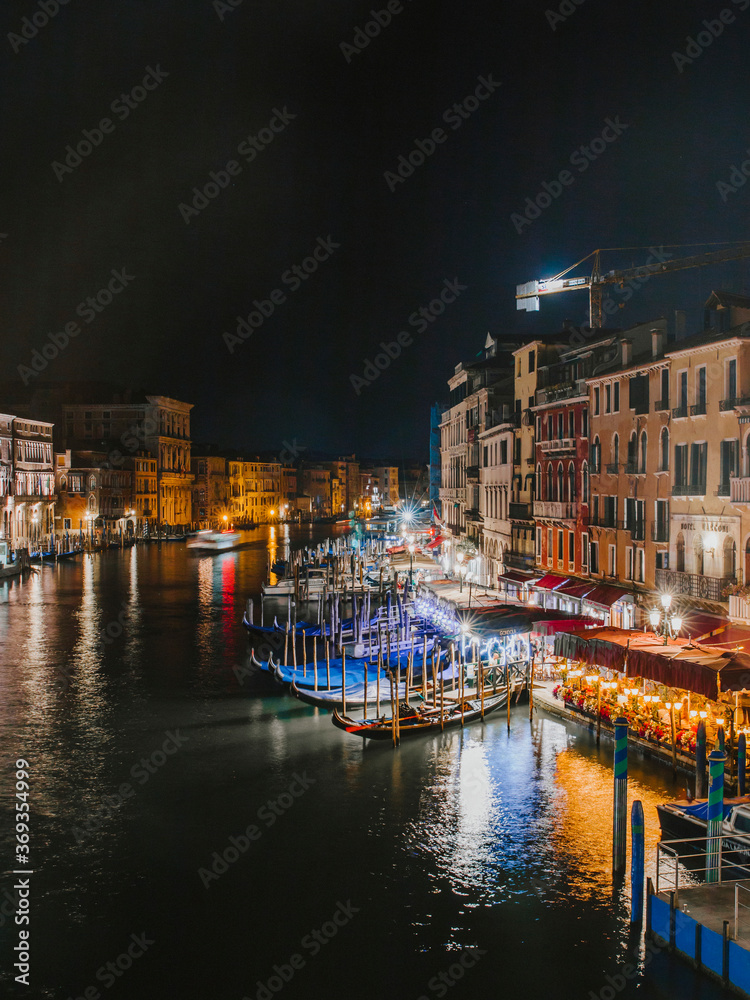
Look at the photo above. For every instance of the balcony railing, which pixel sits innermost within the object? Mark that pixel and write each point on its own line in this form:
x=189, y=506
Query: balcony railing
x=660, y=532
x=723, y=490
x=732, y=401
x=558, y=444
x=689, y=490
x=661, y=405
x=631, y=469
x=710, y=588
x=698, y=409
x=680, y=411
x=739, y=489
x=612, y=469
x=519, y=560
x=520, y=512
x=555, y=509
x=602, y=521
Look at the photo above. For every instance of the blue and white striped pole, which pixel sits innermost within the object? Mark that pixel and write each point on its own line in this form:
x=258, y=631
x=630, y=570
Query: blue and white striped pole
x=700, y=761
x=619, y=820
x=716, y=761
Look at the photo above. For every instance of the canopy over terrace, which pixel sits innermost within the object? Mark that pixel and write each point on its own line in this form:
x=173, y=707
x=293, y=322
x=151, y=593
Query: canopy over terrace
x=509, y=619
x=701, y=669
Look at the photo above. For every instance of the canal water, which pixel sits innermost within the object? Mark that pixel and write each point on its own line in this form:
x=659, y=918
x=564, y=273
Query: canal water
x=196, y=834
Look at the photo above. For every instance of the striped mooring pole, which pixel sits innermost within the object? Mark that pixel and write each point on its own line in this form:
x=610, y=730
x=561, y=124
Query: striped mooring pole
x=741, y=763
x=637, y=862
x=619, y=819
x=716, y=761
x=700, y=761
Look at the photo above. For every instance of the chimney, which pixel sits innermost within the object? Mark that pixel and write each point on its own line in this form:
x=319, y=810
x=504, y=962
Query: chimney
x=657, y=342
x=679, y=323
x=627, y=352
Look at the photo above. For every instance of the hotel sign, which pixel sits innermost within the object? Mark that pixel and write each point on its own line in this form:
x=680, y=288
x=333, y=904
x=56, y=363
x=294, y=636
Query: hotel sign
x=704, y=526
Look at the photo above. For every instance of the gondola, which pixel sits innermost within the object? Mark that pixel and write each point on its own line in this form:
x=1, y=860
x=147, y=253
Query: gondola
x=355, y=696
x=419, y=720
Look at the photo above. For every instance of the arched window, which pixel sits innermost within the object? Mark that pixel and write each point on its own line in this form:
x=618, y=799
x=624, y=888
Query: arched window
x=644, y=451
x=698, y=555
x=680, y=553
x=597, y=455
x=550, y=488
x=92, y=483
x=730, y=558
x=560, y=483
x=539, y=482
x=616, y=449
x=585, y=482
x=571, y=482
x=664, y=455
x=632, y=452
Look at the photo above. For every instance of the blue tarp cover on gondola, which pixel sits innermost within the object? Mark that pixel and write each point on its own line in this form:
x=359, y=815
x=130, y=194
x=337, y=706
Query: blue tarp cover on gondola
x=700, y=810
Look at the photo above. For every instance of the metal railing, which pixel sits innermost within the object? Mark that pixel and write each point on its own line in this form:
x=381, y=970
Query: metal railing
x=737, y=904
x=726, y=868
x=698, y=409
x=661, y=404
x=689, y=490
x=677, y=582
x=680, y=411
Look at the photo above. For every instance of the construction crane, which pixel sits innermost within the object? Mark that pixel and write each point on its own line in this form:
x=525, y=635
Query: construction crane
x=528, y=295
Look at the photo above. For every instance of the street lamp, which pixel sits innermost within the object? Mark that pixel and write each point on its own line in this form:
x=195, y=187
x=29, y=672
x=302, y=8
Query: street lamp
x=662, y=622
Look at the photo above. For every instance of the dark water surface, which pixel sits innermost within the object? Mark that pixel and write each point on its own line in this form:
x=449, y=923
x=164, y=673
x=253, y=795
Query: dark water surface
x=369, y=872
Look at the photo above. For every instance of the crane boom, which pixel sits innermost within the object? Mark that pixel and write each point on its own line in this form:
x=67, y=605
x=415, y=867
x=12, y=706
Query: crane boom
x=527, y=295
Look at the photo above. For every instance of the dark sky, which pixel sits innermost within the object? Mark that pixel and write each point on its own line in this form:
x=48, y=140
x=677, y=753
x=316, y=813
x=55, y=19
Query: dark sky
x=223, y=73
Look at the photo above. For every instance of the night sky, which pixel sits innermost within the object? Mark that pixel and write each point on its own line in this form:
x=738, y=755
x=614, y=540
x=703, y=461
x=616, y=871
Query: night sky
x=338, y=120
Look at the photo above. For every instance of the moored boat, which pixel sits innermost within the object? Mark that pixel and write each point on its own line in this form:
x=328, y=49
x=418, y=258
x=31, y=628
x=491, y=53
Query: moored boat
x=414, y=721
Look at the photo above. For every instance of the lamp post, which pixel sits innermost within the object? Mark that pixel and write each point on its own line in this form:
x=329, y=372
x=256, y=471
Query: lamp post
x=411, y=564
x=662, y=622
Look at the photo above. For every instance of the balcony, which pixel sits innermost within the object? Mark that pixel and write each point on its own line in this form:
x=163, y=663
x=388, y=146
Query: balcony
x=739, y=608
x=631, y=469
x=569, y=390
x=661, y=405
x=739, y=489
x=472, y=472
x=734, y=401
x=520, y=512
x=558, y=444
x=680, y=411
x=723, y=490
x=709, y=588
x=519, y=560
x=602, y=521
x=689, y=490
x=660, y=532
x=555, y=510
x=698, y=409
x=472, y=514
x=638, y=531
x=612, y=469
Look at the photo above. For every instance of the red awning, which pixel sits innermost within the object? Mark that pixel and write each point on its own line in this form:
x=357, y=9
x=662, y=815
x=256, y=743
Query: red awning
x=573, y=624
x=550, y=582
x=513, y=576
x=605, y=595
x=435, y=542
x=574, y=588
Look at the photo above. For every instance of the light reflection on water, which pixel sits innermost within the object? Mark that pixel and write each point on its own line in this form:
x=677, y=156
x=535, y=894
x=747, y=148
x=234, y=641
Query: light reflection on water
x=469, y=837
